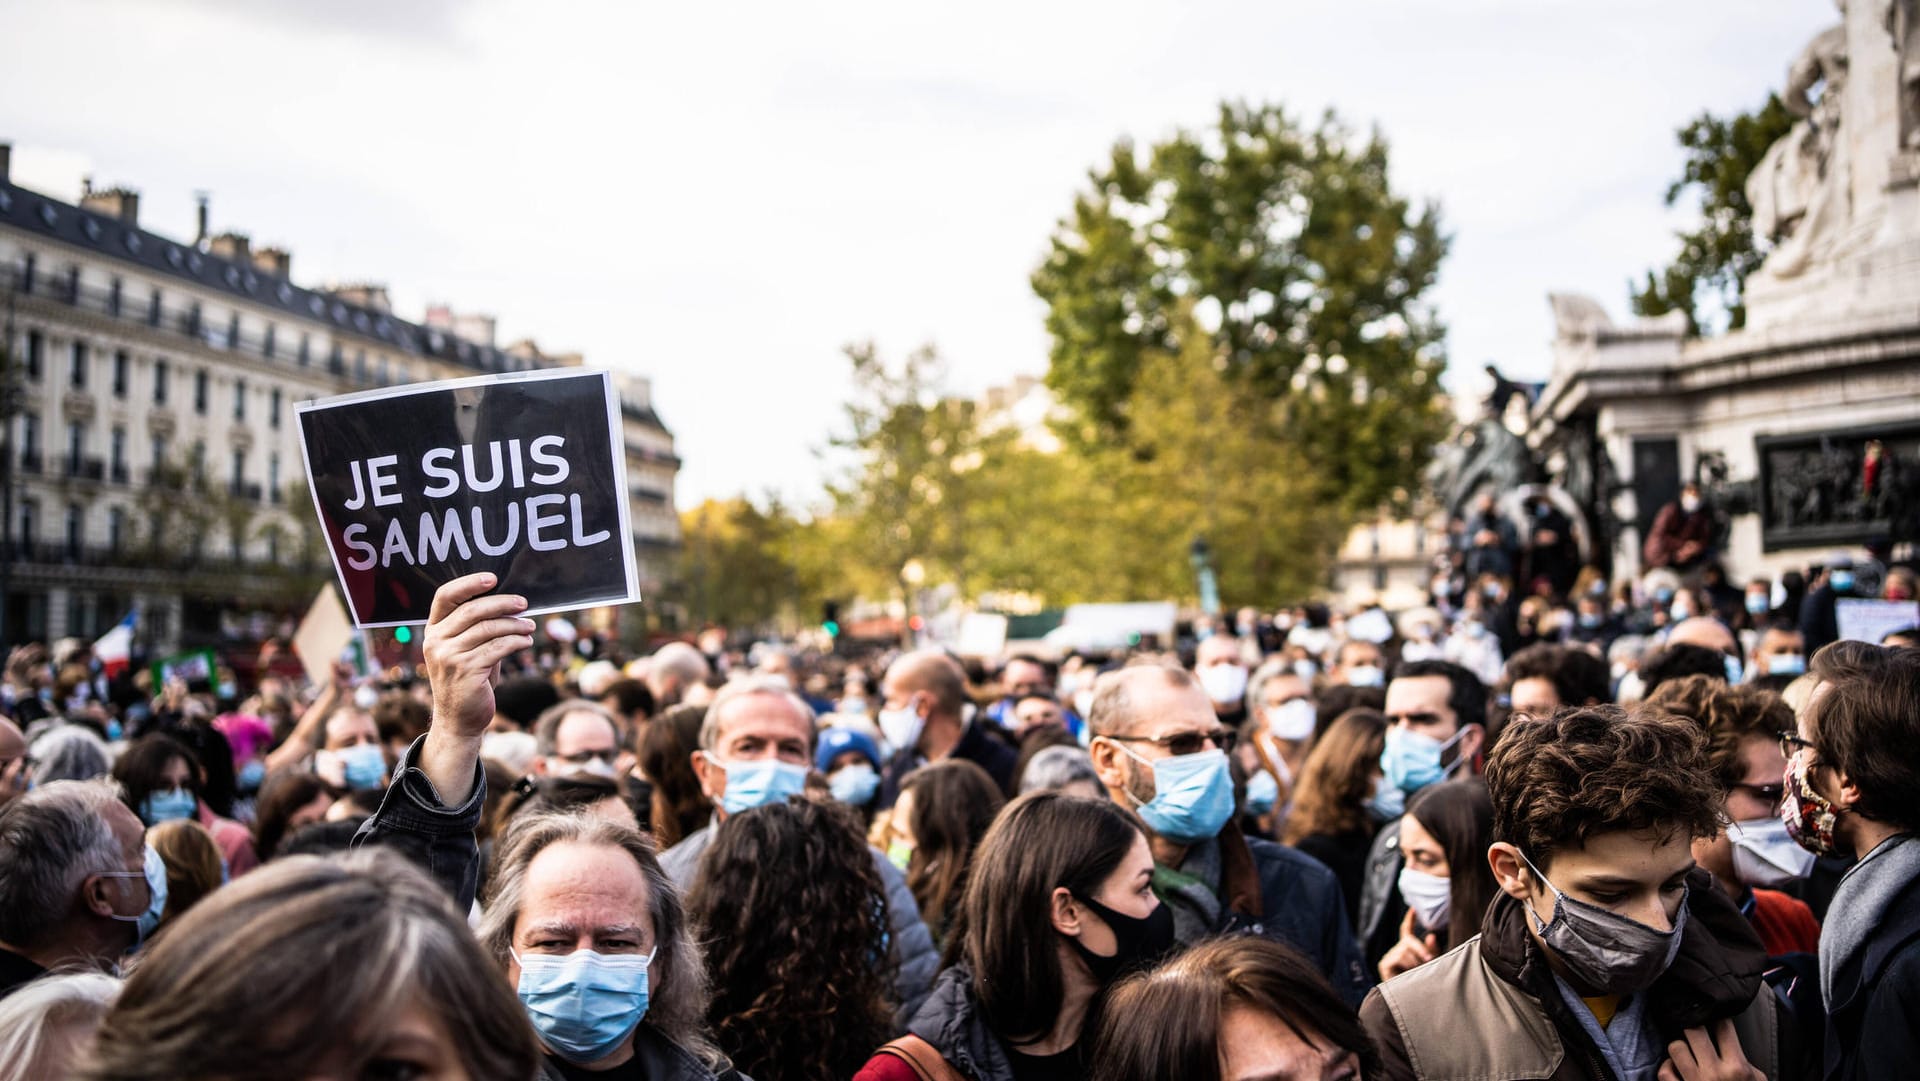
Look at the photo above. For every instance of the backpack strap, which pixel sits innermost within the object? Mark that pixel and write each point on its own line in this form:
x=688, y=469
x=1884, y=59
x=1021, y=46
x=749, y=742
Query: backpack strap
x=927, y=1063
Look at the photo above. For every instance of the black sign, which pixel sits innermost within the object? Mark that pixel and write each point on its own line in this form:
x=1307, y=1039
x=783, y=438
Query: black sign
x=522, y=475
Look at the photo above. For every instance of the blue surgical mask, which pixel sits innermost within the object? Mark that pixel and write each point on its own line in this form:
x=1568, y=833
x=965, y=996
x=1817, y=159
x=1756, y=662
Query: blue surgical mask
x=114, y=731
x=1842, y=581
x=251, y=775
x=583, y=1004
x=1262, y=793
x=761, y=781
x=853, y=784
x=1757, y=604
x=169, y=806
x=1786, y=664
x=1411, y=761
x=1733, y=668
x=1388, y=803
x=1192, y=796
x=154, y=870
x=363, y=765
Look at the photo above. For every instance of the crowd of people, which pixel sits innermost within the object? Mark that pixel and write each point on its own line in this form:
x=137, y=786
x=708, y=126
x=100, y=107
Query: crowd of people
x=1545, y=826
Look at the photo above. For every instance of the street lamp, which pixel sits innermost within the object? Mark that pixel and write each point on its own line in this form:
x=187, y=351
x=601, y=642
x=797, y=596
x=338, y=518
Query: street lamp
x=1201, y=555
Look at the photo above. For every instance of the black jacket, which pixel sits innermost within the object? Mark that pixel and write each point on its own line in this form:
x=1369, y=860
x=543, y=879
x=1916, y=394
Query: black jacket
x=977, y=745
x=951, y=1022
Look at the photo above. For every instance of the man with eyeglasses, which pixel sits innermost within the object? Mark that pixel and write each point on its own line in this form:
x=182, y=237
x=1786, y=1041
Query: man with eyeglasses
x=1159, y=750
x=578, y=738
x=1753, y=857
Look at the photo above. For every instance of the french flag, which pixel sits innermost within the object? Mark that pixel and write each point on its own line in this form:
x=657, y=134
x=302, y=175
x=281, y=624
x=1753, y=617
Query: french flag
x=115, y=648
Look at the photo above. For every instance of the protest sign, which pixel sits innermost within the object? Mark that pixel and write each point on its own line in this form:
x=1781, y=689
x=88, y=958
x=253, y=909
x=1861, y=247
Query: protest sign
x=324, y=636
x=1863, y=620
x=521, y=474
x=197, y=666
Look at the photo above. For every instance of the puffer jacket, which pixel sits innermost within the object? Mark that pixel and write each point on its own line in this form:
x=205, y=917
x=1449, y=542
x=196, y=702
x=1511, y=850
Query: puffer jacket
x=1491, y=1008
x=951, y=1022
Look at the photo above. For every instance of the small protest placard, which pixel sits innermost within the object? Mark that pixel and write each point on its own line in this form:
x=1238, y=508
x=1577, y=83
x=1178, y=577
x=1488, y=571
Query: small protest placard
x=521, y=474
x=1863, y=620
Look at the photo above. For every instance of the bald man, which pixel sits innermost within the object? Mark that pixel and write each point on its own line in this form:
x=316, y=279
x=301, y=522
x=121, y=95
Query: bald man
x=925, y=717
x=13, y=762
x=1704, y=631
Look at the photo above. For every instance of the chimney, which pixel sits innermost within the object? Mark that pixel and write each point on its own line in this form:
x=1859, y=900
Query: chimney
x=478, y=329
x=115, y=202
x=234, y=246
x=6, y=161
x=200, y=237
x=275, y=261
x=370, y=295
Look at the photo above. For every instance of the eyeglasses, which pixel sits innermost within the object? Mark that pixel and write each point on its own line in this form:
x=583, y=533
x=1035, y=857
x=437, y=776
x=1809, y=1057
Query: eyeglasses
x=1184, y=743
x=1770, y=793
x=581, y=758
x=1791, y=745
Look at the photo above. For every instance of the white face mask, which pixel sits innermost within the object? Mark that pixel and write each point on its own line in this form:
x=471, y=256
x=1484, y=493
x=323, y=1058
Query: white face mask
x=1429, y=896
x=1366, y=675
x=901, y=727
x=1224, y=683
x=1765, y=855
x=1291, y=720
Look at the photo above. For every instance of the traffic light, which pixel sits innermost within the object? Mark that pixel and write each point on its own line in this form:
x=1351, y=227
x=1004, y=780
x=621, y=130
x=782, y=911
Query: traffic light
x=830, y=618
x=403, y=635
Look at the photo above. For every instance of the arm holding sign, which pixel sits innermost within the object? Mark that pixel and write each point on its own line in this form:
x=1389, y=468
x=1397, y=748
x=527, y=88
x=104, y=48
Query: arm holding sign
x=434, y=801
x=305, y=737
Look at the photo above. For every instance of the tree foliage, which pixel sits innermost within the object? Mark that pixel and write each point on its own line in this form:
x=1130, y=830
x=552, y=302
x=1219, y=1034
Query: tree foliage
x=1303, y=268
x=1716, y=255
x=741, y=565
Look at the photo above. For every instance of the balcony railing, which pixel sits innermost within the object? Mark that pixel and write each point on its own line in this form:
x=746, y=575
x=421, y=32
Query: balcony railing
x=83, y=468
x=118, y=473
x=31, y=462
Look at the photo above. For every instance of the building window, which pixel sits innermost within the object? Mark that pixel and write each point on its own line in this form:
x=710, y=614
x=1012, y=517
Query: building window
x=273, y=411
x=29, y=520
x=36, y=355
x=200, y=392
x=198, y=461
x=233, y=331
x=273, y=546
x=77, y=370
x=360, y=366
x=76, y=521
x=153, y=309
x=239, y=470
x=76, y=442
x=273, y=477
x=113, y=298
x=266, y=347
x=29, y=435
x=26, y=273
x=306, y=348
x=120, y=364
x=116, y=529
x=73, y=284
x=335, y=360
x=1379, y=577
x=383, y=371
x=160, y=382
x=240, y=399
x=159, y=453
x=118, y=462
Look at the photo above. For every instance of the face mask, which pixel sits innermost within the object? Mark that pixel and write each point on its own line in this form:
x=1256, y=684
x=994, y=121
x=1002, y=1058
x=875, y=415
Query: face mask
x=765, y=780
x=114, y=731
x=1430, y=896
x=1293, y=720
x=1263, y=791
x=1411, y=761
x=1366, y=675
x=1083, y=703
x=1680, y=611
x=363, y=765
x=1589, y=620
x=1141, y=940
x=1192, y=797
x=1842, y=581
x=853, y=784
x=1765, y=855
x=583, y=1004
x=853, y=705
x=1306, y=670
x=169, y=806
x=1786, y=664
x=1474, y=629
x=1597, y=589
x=1387, y=803
x=901, y=727
x=251, y=775
x=1224, y=683
x=1663, y=595
x=1808, y=815
x=154, y=870
x=1733, y=668
x=900, y=853
x=365, y=697
x=592, y=767
x=1757, y=604
x=1605, y=952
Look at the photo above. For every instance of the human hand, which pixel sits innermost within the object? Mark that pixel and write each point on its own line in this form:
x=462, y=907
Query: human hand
x=1410, y=952
x=1699, y=1057
x=467, y=636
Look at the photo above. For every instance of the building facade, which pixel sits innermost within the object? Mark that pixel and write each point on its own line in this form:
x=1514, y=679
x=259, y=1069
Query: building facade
x=151, y=457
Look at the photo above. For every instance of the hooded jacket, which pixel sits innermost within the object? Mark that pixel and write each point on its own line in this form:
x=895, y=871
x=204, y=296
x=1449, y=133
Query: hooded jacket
x=1491, y=1008
x=1870, y=967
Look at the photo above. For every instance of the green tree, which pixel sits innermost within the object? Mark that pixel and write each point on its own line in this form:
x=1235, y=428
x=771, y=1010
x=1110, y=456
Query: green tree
x=1710, y=271
x=1304, y=269
x=739, y=567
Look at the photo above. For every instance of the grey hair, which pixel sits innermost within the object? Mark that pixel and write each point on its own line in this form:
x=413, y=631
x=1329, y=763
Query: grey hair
x=35, y=1022
x=546, y=728
x=677, y=1008
x=69, y=752
x=741, y=688
x=51, y=840
x=680, y=659
x=1058, y=767
x=1112, y=709
x=1263, y=675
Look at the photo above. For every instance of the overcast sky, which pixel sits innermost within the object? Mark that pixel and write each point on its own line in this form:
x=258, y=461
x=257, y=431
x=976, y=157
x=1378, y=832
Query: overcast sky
x=722, y=195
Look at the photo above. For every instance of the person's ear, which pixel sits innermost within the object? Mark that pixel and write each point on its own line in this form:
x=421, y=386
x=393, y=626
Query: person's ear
x=538, y=767
x=1064, y=912
x=1471, y=742
x=1509, y=871
x=713, y=777
x=1106, y=763
x=1847, y=791
x=97, y=894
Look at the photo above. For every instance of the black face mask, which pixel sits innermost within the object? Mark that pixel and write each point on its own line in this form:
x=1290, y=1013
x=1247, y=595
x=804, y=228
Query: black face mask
x=1142, y=940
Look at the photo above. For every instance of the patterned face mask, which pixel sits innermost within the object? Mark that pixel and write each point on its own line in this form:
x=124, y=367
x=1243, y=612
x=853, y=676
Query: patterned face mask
x=1809, y=816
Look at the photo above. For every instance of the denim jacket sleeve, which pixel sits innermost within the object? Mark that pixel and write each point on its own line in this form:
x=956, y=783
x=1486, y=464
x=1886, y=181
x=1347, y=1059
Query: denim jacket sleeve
x=413, y=819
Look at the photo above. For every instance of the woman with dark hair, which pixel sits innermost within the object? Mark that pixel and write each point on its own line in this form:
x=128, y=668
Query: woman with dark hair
x=946, y=808
x=1332, y=819
x=788, y=905
x=356, y=966
x=1059, y=905
x=1231, y=1008
x=680, y=805
x=161, y=781
x=1447, y=881
x=290, y=800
